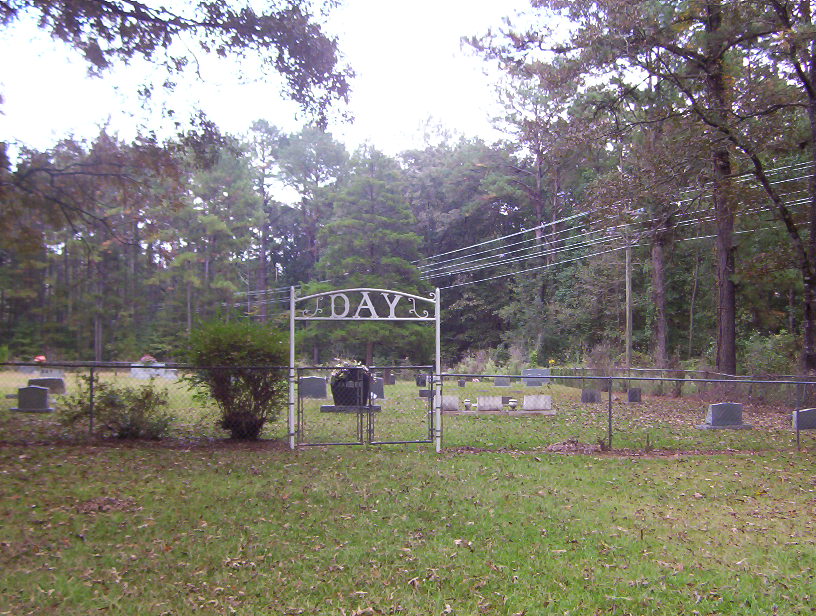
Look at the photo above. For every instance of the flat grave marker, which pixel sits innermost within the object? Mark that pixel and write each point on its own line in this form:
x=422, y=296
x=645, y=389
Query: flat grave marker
x=489, y=403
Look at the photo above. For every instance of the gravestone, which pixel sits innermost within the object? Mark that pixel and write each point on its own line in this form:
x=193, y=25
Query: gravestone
x=378, y=388
x=54, y=373
x=489, y=403
x=450, y=404
x=633, y=395
x=152, y=371
x=312, y=387
x=537, y=403
x=422, y=380
x=501, y=381
x=390, y=378
x=804, y=419
x=461, y=382
x=590, y=396
x=506, y=400
x=55, y=385
x=724, y=416
x=535, y=377
x=33, y=399
x=28, y=369
x=426, y=393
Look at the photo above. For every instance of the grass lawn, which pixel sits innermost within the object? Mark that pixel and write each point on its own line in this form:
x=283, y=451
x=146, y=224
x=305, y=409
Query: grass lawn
x=258, y=529
x=495, y=524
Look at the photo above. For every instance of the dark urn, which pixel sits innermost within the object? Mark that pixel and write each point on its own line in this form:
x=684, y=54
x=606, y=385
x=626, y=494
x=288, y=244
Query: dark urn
x=351, y=386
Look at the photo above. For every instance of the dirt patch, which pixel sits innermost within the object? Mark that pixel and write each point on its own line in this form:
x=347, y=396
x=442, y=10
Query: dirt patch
x=205, y=444
x=106, y=504
x=573, y=446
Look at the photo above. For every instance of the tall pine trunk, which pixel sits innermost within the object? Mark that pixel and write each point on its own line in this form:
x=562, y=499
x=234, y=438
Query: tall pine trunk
x=659, y=298
x=723, y=198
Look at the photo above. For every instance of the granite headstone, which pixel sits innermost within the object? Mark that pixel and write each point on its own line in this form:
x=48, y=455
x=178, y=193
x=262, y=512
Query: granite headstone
x=312, y=387
x=33, y=399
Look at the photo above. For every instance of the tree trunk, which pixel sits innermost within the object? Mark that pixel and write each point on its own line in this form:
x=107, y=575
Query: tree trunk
x=628, y=305
x=263, y=272
x=809, y=328
x=369, y=353
x=723, y=198
x=189, y=307
x=692, y=302
x=98, y=335
x=659, y=297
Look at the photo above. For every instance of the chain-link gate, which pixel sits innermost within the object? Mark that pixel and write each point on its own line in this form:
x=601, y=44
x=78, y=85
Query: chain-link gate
x=400, y=409
x=404, y=405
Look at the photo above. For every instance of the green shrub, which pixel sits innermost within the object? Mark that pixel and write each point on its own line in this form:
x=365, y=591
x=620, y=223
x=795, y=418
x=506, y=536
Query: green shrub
x=123, y=412
x=233, y=362
x=769, y=354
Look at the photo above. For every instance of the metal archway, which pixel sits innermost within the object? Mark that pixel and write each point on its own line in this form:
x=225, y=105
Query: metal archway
x=339, y=306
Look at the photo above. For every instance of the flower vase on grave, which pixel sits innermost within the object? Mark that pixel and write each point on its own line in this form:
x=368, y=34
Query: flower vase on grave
x=351, y=385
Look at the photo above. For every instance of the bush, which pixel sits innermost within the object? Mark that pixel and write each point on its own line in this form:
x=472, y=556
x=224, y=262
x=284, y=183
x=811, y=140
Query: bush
x=234, y=367
x=123, y=412
x=767, y=355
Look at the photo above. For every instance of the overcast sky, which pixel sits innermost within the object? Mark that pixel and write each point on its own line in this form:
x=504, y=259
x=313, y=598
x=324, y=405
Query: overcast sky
x=409, y=64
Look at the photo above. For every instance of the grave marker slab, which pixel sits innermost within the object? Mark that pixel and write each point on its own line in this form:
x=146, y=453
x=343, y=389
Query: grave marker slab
x=426, y=393
x=152, y=371
x=501, y=381
x=422, y=380
x=535, y=377
x=724, y=416
x=804, y=419
x=634, y=394
x=489, y=403
x=55, y=385
x=590, y=396
x=33, y=399
x=378, y=388
x=390, y=378
x=55, y=373
x=450, y=404
x=537, y=403
x=312, y=387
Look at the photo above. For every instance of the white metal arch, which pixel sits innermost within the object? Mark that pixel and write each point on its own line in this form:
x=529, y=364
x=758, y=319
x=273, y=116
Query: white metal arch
x=338, y=306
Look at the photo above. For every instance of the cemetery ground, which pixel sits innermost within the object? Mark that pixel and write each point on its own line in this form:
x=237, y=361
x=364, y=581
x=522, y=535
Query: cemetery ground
x=673, y=520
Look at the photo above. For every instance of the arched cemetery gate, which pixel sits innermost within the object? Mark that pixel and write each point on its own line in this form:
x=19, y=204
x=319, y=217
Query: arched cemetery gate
x=364, y=305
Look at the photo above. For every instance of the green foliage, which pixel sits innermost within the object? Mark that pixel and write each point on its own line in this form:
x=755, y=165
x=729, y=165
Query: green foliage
x=240, y=365
x=121, y=411
x=768, y=354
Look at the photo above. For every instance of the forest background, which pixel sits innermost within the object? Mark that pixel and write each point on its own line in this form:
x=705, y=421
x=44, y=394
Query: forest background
x=654, y=203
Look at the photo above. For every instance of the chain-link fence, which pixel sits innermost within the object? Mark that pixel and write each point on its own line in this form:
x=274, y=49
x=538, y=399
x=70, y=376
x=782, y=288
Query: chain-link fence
x=73, y=400
x=558, y=409
x=573, y=409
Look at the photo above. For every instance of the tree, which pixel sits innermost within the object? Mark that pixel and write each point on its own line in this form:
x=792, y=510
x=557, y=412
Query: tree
x=314, y=164
x=370, y=243
x=286, y=37
x=698, y=47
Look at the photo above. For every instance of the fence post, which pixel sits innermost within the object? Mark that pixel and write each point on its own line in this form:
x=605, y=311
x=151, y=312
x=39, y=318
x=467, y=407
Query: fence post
x=610, y=414
x=91, y=405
